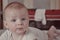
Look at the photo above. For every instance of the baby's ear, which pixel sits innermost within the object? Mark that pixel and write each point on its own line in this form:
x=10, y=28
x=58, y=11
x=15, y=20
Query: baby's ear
x=5, y=24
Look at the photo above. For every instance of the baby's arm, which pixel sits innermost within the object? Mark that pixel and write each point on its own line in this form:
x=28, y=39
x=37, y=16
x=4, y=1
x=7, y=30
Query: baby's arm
x=52, y=33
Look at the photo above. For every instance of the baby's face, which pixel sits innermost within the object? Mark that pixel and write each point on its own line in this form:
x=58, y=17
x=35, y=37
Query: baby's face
x=17, y=20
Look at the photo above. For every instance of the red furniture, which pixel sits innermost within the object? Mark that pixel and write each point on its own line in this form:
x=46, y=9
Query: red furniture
x=50, y=14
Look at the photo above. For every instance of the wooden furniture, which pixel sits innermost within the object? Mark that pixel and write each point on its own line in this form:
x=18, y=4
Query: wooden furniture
x=1, y=21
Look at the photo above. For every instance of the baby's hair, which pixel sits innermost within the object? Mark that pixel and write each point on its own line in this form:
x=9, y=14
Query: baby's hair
x=13, y=5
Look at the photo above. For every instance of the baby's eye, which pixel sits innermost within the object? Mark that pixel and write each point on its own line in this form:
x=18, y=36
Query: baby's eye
x=23, y=19
x=14, y=20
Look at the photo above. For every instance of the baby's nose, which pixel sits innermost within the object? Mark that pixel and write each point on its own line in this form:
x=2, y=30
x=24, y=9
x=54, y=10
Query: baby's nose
x=19, y=22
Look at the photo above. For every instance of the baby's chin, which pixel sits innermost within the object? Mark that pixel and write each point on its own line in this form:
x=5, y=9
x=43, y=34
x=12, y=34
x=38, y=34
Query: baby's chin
x=20, y=31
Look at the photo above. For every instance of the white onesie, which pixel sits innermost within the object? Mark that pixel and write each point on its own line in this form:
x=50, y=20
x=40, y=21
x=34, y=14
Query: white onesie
x=32, y=34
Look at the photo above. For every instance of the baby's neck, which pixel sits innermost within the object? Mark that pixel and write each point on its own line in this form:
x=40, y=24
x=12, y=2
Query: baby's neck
x=17, y=36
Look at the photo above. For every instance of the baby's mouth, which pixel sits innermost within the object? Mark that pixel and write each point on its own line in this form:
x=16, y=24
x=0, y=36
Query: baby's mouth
x=19, y=28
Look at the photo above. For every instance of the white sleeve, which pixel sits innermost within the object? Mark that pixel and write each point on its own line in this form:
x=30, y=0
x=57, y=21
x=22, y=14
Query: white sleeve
x=45, y=35
x=41, y=35
x=4, y=36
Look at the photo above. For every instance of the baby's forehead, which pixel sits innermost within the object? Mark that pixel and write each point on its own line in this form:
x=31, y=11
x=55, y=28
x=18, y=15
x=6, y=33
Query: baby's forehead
x=18, y=16
x=17, y=12
x=14, y=16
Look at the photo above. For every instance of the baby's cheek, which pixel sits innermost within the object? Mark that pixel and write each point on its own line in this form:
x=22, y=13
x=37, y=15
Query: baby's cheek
x=26, y=25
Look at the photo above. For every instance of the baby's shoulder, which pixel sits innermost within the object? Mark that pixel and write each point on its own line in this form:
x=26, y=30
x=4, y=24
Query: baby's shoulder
x=5, y=35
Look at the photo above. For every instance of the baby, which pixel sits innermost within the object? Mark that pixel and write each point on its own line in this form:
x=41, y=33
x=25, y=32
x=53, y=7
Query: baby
x=16, y=20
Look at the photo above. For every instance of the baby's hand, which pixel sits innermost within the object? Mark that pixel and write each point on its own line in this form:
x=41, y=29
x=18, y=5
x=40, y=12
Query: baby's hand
x=52, y=33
